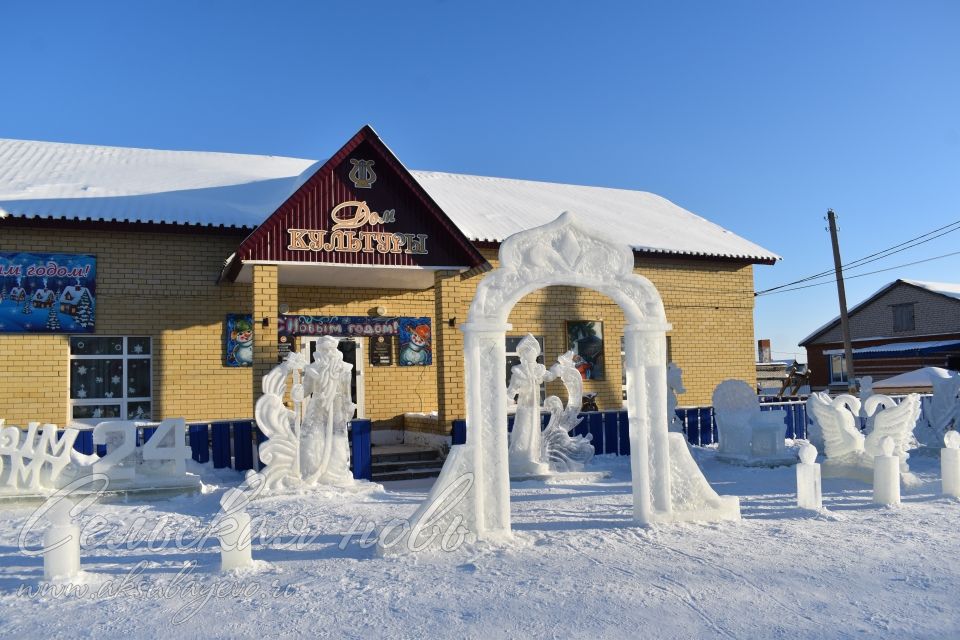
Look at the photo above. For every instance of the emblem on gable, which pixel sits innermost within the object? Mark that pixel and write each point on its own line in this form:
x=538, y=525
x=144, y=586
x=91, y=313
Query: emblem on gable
x=362, y=174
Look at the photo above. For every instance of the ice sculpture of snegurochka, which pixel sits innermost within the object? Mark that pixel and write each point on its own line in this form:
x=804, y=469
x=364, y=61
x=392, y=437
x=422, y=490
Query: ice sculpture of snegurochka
x=472, y=494
x=307, y=445
x=850, y=453
x=525, y=380
x=749, y=436
x=536, y=453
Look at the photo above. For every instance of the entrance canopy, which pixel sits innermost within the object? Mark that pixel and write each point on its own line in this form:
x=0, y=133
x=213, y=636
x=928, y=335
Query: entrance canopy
x=354, y=276
x=361, y=220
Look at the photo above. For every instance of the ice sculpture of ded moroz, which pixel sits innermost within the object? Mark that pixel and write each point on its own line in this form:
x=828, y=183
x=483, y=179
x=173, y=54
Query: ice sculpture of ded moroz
x=307, y=445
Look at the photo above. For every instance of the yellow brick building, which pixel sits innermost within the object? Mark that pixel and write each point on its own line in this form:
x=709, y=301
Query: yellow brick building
x=193, y=237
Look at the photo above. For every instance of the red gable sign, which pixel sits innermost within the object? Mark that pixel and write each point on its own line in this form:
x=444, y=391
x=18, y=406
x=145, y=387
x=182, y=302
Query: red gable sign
x=361, y=207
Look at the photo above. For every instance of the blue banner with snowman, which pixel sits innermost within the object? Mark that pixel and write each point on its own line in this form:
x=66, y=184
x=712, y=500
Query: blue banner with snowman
x=47, y=292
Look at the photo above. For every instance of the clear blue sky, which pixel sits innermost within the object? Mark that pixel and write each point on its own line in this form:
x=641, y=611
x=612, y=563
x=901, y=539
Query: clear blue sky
x=756, y=115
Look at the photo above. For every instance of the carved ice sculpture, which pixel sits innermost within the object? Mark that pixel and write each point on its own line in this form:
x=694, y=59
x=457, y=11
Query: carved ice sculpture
x=525, y=380
x=675, y=386
x=308, y=444
x=533, y=452
x=748, y=436
x=559, y=449
x=850, y=454
x=941, y=411
x=473, y=490
x=950, y=464
x=40, y=460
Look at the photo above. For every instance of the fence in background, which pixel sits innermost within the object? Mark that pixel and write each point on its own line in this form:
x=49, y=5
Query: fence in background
x=610, y=429
x=235, y=444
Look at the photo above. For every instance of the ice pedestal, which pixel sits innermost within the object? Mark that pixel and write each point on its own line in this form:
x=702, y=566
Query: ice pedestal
x=61, y=544
x=950, y=465
x=886, y=475
x=809, y=494
x=235, y=532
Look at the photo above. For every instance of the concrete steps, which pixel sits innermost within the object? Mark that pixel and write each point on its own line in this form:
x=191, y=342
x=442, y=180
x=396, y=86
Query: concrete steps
x=404, y=462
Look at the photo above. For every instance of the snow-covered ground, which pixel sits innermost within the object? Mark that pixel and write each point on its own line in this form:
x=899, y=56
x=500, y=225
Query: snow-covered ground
x=578, y=568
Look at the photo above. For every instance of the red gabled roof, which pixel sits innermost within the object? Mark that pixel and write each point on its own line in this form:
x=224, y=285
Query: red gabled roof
x=310, y=206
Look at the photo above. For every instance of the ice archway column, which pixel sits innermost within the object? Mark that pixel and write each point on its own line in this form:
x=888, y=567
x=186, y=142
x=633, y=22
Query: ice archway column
x=472, y=495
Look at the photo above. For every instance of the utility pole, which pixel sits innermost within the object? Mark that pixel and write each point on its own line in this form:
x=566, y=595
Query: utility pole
x=841, y=293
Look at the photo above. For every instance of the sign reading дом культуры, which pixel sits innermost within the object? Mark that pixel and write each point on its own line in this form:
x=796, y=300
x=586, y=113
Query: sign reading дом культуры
x=47, y=292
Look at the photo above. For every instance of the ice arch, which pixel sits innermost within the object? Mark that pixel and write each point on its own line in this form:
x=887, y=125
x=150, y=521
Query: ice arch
x=473, y=490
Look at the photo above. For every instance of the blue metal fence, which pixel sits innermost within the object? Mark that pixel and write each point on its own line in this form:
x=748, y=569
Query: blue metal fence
x=611, y=429
x=235, y=444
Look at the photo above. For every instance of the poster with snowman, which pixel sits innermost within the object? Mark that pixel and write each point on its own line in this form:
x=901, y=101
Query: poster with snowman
x=239, y=340
x=416, y=342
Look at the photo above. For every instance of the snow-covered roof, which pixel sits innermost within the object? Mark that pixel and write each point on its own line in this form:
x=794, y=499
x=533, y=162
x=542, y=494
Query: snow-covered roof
x=942, y=288
x=928, y=346
x=87, y=182
x=922, y=377
x=491, y=209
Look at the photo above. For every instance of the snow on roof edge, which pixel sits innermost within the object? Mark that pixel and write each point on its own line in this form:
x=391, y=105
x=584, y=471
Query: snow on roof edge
x=212, y=189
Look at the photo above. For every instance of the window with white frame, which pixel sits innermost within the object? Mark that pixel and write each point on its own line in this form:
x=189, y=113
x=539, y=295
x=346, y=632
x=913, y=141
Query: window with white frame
x=110, y=377
x=513, y=359
x=838, y=369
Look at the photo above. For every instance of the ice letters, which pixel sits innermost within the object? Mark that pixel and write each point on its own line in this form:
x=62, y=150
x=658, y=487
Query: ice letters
x=667, y=484
x=42, y=459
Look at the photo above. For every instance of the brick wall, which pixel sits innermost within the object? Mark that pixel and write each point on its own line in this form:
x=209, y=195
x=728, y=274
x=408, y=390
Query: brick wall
x=163, y=285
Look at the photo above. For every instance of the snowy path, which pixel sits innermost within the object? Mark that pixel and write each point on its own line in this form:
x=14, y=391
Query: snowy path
x=578, y=569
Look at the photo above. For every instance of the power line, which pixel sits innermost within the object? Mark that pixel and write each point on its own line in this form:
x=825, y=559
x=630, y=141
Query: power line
x=869, y=273
x=873, y=257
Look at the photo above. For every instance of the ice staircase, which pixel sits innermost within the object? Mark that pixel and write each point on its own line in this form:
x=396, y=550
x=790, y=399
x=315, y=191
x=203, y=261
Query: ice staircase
x=404, y=462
